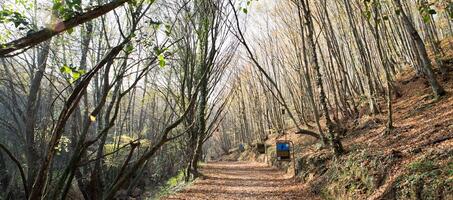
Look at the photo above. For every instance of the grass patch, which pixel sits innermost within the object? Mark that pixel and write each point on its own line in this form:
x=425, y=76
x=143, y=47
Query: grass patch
x=173, y=185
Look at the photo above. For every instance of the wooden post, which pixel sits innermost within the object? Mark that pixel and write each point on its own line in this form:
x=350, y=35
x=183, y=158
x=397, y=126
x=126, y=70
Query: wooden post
x=294, y=160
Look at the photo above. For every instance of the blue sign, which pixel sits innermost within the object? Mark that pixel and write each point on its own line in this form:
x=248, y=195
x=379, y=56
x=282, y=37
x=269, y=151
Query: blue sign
x=282, y=147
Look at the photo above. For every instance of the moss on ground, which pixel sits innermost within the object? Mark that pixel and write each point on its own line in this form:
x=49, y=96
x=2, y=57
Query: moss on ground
x=173, y=185
x=429, y=177
x=356, y=175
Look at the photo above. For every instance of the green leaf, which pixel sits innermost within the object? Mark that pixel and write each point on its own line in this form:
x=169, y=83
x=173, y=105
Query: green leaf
x=426, y=18
x=161, y=59
x=167, y=29
x=75, y=76
x=67, y=9
x=70, y=31
x=65, y=69
x=129, y=48
x=11, y=16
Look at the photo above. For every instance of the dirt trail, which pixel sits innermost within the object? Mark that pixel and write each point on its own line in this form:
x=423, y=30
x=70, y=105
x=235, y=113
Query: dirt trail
x=243, y=180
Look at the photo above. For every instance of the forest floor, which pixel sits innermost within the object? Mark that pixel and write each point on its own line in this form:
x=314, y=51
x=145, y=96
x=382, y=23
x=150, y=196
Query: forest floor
x=242, y=180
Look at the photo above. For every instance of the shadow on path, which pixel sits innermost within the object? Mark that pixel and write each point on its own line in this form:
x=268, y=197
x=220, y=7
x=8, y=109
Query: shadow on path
x=242, y=180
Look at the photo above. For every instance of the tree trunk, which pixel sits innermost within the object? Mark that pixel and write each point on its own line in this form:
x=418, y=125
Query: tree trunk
x=335, y=141
x=426, y=62
x=30, y=114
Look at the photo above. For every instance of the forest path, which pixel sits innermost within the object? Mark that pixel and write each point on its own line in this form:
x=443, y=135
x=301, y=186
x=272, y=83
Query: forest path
x=243, y=180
